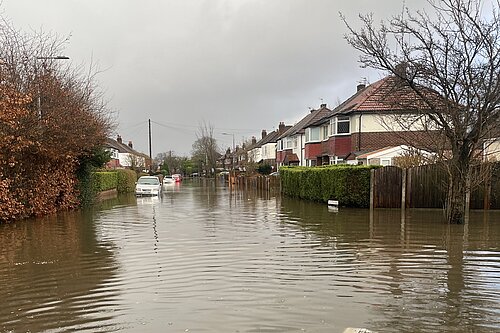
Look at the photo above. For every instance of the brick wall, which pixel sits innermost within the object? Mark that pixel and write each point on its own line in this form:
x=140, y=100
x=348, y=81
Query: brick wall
x=339, y=145
x=312, y=150
x=377, y=140
x=280, y=155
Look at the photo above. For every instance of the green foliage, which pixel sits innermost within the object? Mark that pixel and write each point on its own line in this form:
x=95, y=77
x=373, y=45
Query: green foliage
x=104, y=181
x=125, y=181
x=350, y=185
x=86, y=190
x=264, y=169
x=165, y=169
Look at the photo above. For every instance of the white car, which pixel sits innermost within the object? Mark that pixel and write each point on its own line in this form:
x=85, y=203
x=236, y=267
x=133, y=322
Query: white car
x=148, y=185
x=168, y=180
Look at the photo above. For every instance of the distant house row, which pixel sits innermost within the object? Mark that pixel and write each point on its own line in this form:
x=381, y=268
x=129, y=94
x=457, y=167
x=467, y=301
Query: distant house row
x=361, y=130
x=364, y=129
x=124, y=155
x=351, y=133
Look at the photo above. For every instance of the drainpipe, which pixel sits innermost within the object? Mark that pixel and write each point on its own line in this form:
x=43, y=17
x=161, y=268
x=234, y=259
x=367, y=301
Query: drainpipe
x=359, y=132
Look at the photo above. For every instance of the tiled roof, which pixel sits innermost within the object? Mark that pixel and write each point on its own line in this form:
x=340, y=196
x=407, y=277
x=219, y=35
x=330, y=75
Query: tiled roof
x=387, y=94
x=121, y=147
x=291, y=158
x=312, y=117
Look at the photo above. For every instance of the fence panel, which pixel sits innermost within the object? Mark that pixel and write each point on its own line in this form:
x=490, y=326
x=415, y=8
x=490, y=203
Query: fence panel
x=426, y=187
x=387, y=187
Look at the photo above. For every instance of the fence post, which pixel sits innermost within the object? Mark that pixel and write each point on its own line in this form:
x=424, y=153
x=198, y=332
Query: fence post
x=372, y=188
x=403, y=188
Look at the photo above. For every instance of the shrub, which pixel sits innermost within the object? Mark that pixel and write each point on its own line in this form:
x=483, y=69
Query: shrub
x=126, y=180
x=264, y=169
x=104, y=181
x=350, y=185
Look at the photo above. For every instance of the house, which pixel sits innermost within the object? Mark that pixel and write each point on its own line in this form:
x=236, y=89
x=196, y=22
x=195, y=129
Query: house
x=290, y=146
x=365, y=122
x=491, y=149
x=123, y=155
x=264, y=151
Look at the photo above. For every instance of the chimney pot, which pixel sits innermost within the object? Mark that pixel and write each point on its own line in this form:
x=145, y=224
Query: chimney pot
x=119, y=139
x=360, y=87
x=130, y=144
x=264, y=133
x=281, y=127
x=322, y=106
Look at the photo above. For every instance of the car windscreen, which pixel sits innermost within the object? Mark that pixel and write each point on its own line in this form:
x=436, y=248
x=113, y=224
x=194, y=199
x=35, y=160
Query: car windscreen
x=148, y=181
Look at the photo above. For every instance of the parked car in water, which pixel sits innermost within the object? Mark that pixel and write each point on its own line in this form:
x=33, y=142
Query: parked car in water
x=148, y=185
x=168, y=180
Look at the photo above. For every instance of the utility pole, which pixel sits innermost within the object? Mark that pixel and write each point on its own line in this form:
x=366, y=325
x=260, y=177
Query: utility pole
x=150, y=157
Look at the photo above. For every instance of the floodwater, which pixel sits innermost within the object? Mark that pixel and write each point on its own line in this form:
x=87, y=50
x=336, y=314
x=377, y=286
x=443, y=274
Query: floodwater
x=205, y=259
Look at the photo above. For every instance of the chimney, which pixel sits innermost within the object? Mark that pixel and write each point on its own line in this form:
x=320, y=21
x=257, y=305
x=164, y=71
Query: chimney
x=322, y=106
x=264, y=133
x=119, y=139
x=401, y=70
x=360, y=87
x=254, y=140
x=281, y=127
x=130, y=144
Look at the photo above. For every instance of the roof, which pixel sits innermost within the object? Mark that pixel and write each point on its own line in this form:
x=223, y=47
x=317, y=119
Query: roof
x=121, y=147
x=391, y=151
x=291, y=158
x=387, y=94
x=271, y=137
x=312, y=117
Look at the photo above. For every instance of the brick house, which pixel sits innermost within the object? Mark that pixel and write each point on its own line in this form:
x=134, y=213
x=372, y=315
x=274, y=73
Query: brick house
x=364, y=123
x=124, y=155
x=264, y=150
x=290, y=146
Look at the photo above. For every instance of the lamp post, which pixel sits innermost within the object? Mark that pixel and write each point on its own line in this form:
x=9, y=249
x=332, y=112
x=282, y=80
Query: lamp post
x=232, y=157
x=39, y=92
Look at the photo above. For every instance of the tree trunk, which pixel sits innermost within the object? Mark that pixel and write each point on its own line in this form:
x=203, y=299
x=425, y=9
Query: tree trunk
x=457, y=190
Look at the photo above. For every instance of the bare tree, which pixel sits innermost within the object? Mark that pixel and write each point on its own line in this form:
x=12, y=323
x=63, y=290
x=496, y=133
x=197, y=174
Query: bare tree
x=455, y=52
x=205, y=148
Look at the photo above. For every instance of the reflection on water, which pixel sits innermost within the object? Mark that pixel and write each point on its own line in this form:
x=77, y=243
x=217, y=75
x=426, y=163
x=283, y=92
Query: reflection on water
x=206, y=259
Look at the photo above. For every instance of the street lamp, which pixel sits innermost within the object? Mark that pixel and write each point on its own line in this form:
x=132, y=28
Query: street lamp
x=39, y=92
x=232, y=157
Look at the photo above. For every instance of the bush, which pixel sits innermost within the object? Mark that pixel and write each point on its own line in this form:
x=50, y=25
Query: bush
x=350, y=185
x=126, y=180
x=264, y=169
x=104, y=181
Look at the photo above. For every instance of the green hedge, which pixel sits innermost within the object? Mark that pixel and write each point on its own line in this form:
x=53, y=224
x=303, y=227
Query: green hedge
x=348, y=184
x=122, y=180
x=126, y=181
x=105, y=180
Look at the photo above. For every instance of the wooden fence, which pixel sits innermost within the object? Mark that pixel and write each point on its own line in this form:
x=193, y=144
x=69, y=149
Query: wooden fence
x=425, y=187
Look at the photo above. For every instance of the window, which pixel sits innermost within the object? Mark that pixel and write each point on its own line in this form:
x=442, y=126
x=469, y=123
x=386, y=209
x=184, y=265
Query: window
x=343, y=125
x=324, y=132
x=312, y=134
x=336, y=160
x=331, y=126
x=385, y=161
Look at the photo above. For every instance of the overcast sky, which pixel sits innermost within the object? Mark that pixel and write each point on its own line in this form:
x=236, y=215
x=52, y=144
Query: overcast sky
x=239, y=65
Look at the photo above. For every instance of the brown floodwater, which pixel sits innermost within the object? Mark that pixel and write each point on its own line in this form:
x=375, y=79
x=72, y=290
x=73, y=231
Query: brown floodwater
x=204, y=259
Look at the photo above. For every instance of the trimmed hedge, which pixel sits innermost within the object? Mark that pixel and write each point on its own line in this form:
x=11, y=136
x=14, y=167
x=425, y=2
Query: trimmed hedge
x=126, y=180
x=105, y=180
x=122, y=180
x=348, y=184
